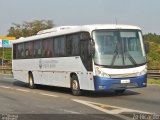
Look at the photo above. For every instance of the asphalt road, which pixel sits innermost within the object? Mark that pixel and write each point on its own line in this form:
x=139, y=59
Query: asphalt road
x=19, y=102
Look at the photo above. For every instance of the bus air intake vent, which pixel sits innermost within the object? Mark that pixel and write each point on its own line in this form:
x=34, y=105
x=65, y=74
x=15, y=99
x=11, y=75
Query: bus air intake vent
x=129, y=75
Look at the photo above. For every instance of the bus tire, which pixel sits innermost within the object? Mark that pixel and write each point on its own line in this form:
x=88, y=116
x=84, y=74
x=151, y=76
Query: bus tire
x=31, y=81
x=120, y=91
x=75, y=87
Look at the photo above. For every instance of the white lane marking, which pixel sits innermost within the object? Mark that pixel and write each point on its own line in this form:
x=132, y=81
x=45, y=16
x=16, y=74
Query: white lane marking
x=94, y=106
x=120, y=108
x=100, y=109
x=72, y=112
x=7, y=78
x=5, y=87
x=115, y=111
x=50, y=95
x=22, y=90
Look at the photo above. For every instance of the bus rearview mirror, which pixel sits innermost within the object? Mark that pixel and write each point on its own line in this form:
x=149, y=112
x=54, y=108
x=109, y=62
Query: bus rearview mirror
x=146, y=44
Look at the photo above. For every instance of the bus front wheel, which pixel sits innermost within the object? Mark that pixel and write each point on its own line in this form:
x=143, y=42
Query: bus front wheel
x=75, y=87
x=31, y=81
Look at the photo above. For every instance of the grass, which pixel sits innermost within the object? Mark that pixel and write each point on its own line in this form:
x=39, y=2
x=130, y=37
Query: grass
x=153, y=81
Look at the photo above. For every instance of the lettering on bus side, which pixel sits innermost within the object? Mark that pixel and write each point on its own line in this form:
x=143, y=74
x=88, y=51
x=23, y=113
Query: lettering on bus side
x=47, y=64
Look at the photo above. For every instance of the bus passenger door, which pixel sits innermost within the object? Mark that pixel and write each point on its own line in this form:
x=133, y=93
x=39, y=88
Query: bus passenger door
x=86, y=76
x=84, y=52
x=86, y=58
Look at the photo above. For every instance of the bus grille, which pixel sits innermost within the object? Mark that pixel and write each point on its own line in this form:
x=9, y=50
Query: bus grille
x=125, y=85
x=129, y=75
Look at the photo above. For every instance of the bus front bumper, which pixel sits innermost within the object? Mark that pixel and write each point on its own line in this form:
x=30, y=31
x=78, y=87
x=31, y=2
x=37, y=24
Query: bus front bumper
x=105, y=84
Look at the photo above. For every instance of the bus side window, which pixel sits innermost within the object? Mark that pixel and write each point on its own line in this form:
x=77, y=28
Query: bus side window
x=47, y=46
x=38, y=52
x=14, y=51
x=59, y=46
x=37, y=49
x=69, y=45
x=35, y=52
x=20, y=49
x=22, y=53
x=73, y=47
x=28, y=49
x=26, y=52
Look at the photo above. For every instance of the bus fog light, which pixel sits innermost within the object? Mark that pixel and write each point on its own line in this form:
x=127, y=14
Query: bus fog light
x=144, y=84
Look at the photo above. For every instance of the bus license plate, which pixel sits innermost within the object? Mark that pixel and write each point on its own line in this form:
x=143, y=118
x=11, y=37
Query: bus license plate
x=125, y=81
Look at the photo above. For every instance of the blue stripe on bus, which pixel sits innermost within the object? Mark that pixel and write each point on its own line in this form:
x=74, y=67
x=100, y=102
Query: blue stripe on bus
x=104, y=84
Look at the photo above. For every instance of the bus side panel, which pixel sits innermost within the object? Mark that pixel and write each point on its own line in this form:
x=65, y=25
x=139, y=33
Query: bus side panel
x=86, y=81
x=53, y=71
x=21, y=69
x=20, y=75
x=55, y=79
x=37, y=75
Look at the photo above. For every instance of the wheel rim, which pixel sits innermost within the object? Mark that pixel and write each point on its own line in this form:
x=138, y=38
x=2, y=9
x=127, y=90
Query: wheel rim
x=75, y=85
x=31, y=81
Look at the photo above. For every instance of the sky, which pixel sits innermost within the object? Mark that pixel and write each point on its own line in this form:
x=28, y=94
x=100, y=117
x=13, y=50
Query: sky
x=142, y=13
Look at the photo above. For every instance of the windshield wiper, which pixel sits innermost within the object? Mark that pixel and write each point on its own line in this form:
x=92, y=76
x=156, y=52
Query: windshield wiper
x=124, y=52
x=131, y=58
x=114, y=58
x=115, y=55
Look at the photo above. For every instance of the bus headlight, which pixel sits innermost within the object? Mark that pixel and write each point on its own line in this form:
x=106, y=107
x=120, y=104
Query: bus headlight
x=142, y=72
x=100, y=73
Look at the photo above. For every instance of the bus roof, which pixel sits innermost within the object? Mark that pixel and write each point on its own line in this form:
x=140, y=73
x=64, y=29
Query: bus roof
x=62, y=30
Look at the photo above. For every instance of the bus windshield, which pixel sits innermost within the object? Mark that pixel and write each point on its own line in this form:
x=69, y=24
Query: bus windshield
x=119, y=48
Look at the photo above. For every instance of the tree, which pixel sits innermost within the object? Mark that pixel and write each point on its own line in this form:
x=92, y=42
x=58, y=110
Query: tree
x=29, y=28
x=154, y=54
x=150, y=37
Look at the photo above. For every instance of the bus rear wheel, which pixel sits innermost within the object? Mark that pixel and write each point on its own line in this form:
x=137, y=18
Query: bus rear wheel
x=31, y=81
x=75, y=87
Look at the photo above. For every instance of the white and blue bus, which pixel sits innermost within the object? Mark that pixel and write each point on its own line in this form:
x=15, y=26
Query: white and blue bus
x=90, y=57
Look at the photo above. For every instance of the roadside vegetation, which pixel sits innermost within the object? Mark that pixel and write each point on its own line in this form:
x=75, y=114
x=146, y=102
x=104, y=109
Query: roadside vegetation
x=154, y=52
x=153, y=81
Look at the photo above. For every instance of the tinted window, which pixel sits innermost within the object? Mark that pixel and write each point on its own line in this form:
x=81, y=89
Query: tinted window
x=68, y=45
x=59, y=46
x=85, y=36
x=37, y=48
x=73, y=44
x=14, y=51
x=20, y=51
x=47, y=46
x=28, y=49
